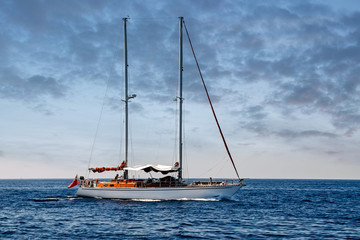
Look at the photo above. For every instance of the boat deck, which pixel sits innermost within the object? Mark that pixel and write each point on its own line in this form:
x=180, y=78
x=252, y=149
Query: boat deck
x=151, y=183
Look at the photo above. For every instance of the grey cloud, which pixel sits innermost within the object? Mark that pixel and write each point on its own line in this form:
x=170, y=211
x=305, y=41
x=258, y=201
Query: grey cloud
x=350, y=132
x=255, y=116
x=256, y=113
x=84, y=50
x=246, y=144
x=170, y=111
x=263, y=129
x=32, y=88
x=114, y=103
x=137, y=107
x=31, y=15
x=303, y=95
x=307, y=52
x=311, y=9
x=82, y=43
x=321, y=74
x=42, y=108
x=332, y=152
x=308, y=133
x=346, y=119
x=258, y=127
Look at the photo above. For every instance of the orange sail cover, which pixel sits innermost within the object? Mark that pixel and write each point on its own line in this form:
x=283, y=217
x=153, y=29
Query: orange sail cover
x=103, y=169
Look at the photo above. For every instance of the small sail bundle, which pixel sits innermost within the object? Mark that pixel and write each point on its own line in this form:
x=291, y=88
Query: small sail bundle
x=103, y=169
x=155, y=168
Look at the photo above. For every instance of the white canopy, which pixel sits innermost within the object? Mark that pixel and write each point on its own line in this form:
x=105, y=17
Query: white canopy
x=155, y=168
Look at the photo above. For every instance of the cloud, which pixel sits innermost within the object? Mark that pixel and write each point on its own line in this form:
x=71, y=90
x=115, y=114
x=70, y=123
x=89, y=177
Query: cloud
x=258, y=127
x=308, y=53
x=30, y=89
x=265, y=130
x=255, y=112
x=350, y=132
x=246, y=144
x=309, y=56
x=332, y=152
x=286, y=133
x=43, y=108
x=255, y=119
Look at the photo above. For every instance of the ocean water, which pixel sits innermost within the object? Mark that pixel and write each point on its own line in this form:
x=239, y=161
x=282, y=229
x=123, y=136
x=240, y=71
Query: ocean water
x=264, y=209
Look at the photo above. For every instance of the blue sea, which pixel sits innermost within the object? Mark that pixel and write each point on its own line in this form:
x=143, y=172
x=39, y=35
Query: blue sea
x=264, y=209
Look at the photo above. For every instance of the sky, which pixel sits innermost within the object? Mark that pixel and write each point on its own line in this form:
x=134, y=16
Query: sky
x=283, y=77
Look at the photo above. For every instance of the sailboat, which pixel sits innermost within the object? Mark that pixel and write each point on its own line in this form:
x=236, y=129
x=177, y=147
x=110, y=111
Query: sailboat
x=168, y=187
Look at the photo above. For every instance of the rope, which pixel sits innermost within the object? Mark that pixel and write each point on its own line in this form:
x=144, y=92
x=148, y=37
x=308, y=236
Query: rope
x=98, y=126
x=184, y=142
x=176, y=134
x=120, y=157
x=212, y=108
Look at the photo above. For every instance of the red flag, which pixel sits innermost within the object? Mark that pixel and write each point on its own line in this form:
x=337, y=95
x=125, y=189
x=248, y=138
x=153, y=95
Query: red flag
x=74, y=183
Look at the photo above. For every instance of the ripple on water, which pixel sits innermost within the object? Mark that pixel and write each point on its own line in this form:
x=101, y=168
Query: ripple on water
x=264, y=209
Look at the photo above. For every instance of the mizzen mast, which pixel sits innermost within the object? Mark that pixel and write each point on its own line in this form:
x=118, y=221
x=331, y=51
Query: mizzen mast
x=180, y=99
x=126, y=98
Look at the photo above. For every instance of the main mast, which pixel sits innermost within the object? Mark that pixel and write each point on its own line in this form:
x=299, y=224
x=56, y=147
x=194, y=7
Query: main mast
x=126, y=99
x=180, y=96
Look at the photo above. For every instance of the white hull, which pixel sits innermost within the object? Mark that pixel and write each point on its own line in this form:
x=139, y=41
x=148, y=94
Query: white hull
x=160, y=193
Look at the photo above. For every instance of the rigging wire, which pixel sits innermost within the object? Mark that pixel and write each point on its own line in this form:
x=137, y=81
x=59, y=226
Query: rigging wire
x=212, y=108
x=213, y=165
x=222, y=167
x=131, y=145
x=184, y=142
x=132, y=156
x=98, y=126
x=121, y=137
x=176, y=134
x=122, y=121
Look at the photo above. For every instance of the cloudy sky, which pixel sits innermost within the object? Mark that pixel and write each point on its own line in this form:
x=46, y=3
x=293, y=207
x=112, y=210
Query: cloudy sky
x=283, y=76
